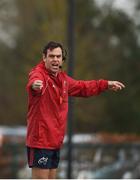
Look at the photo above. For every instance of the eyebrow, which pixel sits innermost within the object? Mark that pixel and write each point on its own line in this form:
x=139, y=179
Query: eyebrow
x=53, y=55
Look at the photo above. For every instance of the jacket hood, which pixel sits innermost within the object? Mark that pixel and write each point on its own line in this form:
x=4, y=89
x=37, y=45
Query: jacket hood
x=40, y=66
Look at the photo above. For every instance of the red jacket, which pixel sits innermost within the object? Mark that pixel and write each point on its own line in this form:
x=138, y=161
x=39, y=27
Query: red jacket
x=48, y=107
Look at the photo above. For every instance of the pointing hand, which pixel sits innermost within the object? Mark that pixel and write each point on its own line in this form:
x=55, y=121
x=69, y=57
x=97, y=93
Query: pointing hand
x=115, y=85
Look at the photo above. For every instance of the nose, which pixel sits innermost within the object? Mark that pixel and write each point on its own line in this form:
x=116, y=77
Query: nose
x=55, y=58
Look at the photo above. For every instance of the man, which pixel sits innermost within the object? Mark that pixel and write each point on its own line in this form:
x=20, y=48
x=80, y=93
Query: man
x=48, y=90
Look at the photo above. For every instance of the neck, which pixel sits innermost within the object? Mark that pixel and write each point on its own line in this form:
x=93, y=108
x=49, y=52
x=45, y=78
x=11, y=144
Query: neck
x=52, y=73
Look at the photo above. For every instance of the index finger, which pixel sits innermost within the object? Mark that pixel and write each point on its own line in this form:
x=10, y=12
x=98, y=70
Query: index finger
x=121, y=84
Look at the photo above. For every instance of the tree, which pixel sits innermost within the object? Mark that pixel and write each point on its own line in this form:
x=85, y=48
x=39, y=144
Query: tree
x=36, y=25
x=106, y=48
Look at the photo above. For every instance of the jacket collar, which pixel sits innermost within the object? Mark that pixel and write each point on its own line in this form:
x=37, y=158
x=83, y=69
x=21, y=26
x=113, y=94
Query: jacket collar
x=41, y=66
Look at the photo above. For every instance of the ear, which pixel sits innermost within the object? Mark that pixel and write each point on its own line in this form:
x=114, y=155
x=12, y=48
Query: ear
x=44, y=57
x=62, y=63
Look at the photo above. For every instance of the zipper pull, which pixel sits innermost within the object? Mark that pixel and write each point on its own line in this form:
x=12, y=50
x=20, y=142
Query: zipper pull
x=61, y=100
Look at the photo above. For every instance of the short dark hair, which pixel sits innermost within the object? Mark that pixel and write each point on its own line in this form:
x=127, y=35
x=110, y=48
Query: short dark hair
x=52, y=45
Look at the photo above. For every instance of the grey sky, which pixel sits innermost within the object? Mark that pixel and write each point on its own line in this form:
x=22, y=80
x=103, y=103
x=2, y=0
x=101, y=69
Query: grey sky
x=126, y=5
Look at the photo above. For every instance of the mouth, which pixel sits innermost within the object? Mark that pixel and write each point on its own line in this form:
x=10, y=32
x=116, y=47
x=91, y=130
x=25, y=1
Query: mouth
x=55, y=66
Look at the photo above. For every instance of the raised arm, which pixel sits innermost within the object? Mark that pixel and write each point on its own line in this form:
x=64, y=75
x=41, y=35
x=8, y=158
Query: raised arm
x=35, y=82
x=82, y=88
x=94, y=87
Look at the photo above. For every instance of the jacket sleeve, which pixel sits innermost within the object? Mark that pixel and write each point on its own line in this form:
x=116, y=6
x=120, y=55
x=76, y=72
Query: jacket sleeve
x=33, y=75
x=82, y=88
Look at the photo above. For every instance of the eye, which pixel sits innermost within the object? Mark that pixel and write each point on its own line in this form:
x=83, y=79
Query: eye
x=58, y=56
x=51, y=56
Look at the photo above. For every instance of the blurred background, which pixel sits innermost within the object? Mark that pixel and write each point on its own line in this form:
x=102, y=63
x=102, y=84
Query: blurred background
x=106, y=128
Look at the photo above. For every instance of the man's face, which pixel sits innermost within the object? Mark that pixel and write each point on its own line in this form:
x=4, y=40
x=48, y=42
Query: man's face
x=53, y=60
